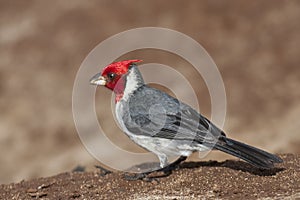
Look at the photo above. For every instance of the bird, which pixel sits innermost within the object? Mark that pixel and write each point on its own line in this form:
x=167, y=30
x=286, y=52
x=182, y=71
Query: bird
x=166, y=126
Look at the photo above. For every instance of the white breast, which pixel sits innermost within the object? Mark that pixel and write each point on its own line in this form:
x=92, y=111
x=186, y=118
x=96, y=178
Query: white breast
x=119, y=114
x=131, y=85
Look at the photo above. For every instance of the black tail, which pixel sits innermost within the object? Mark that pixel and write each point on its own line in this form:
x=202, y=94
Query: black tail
x=254, y=156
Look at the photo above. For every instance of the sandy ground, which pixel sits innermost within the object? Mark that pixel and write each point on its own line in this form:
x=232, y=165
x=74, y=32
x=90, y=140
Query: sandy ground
x=42, y=44
x=193, y=180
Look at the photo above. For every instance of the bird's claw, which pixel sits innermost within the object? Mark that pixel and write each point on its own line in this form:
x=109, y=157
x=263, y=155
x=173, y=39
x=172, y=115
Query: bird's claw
x=103, y=170
x=135, y=177
x=139, y=176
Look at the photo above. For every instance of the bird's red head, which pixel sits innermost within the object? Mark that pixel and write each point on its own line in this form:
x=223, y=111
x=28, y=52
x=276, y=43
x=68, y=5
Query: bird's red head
x=110, y=76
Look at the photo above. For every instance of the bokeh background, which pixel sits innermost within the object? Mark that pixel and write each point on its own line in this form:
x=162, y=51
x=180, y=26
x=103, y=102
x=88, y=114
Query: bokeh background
x=255, y=44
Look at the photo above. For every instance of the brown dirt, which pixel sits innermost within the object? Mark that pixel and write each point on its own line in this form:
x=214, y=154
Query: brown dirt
x=230, y=179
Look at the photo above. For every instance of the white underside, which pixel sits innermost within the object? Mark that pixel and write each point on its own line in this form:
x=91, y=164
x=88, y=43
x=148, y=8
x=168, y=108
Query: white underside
x=159, y=146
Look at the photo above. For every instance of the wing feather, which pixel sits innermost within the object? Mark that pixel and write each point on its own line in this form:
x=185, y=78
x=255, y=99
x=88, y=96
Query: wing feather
x=171, y=120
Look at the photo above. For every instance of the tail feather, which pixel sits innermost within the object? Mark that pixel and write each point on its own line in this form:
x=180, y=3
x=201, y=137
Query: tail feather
x=253, y=155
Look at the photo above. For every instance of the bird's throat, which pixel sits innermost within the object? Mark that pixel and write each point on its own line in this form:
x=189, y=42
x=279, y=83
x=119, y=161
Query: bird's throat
x=128, y=84
x=119, y=89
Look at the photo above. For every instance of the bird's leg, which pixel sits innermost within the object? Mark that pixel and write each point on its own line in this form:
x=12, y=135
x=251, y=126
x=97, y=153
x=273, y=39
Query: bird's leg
x=169, y=168
x=167, y=171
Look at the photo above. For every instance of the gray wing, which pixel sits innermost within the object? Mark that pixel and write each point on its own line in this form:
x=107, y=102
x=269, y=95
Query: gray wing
x=153, y=113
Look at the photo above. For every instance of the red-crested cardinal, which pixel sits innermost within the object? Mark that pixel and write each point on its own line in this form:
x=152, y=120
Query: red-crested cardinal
x=166, y=126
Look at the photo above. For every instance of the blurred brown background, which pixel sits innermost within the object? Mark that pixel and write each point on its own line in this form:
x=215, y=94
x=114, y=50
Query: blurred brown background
x=255, y=44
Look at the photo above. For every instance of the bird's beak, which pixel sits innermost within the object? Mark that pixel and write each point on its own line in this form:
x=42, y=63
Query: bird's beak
x=98, y=80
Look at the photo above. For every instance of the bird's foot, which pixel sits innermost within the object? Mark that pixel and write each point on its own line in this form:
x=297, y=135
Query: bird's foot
x=139, y=176
x=149, y=176
x=103, y=171
x=167, y=170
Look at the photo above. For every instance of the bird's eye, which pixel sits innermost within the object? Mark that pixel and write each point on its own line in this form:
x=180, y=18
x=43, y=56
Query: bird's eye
x=111, y=76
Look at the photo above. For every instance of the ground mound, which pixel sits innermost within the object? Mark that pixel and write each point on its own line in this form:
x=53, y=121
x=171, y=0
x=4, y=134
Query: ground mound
x=230, y=179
